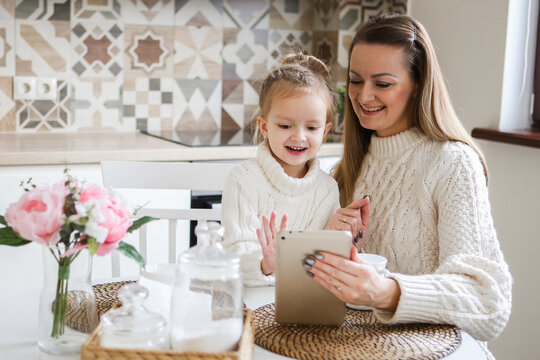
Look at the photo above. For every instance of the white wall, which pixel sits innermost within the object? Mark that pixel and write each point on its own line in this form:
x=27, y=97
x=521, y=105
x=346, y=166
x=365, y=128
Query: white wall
x=469, y=37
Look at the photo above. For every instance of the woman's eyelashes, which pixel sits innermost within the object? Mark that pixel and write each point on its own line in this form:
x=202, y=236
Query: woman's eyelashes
x=382, y=85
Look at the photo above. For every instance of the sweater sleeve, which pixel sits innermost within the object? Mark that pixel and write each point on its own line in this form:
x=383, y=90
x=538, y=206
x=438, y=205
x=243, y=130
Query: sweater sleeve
x=471, y=288
x=326, y=205
x=240, y=219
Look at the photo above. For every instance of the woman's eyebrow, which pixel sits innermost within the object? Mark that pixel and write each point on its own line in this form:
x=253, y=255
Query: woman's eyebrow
x=375, y=75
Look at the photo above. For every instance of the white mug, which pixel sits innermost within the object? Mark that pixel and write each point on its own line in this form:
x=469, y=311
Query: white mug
x=379, y=263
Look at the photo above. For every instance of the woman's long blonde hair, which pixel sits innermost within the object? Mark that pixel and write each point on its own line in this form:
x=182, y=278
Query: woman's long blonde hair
x=431, y=108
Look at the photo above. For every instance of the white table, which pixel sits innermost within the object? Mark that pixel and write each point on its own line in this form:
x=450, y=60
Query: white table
x=19, y=319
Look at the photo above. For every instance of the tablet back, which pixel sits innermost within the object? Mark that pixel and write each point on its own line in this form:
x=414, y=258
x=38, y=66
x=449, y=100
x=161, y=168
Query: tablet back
x=299, y=299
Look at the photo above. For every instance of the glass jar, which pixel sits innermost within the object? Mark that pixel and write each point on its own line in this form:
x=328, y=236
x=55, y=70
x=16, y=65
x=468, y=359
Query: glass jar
x=207, y=308
x=132, y=326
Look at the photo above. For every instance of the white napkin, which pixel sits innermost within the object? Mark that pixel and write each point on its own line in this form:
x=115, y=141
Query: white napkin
x=159, y=297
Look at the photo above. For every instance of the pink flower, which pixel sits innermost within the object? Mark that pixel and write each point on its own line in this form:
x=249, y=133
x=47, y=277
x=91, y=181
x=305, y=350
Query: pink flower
x=38, y=215
x=114, y=217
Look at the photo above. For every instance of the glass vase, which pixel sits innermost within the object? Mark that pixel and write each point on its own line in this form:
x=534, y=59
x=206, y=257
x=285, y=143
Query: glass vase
x=67, y=306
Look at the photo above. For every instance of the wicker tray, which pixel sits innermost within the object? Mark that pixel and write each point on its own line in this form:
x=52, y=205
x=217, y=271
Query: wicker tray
x=91, y=350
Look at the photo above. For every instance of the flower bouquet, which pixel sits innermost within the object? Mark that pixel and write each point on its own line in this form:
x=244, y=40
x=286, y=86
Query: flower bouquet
x=68, y=217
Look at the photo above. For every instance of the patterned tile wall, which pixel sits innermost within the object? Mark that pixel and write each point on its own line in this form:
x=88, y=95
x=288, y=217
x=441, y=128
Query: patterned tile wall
x=124, y=65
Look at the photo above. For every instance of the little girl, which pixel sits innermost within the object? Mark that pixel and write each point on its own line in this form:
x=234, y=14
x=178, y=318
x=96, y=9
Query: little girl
x=296, y=111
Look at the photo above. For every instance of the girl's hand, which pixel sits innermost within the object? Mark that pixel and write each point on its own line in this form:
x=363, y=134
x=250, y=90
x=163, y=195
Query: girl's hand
x=353, y=218
x=353, y=281
x=268, y=242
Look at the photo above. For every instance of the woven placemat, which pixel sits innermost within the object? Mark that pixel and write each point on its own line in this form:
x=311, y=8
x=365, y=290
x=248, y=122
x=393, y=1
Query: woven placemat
x=77, y=316
x=361, y=336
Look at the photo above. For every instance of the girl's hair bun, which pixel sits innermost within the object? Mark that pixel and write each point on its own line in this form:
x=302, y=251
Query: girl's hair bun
x=308, y=61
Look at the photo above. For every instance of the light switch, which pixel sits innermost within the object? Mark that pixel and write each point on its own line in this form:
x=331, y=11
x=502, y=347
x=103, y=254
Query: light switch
x=24, y=88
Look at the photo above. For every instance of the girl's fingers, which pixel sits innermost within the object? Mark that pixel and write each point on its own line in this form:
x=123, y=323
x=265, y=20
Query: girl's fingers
x=262, y=240
x=283, y=224
x=267, y=230
x=273, y=228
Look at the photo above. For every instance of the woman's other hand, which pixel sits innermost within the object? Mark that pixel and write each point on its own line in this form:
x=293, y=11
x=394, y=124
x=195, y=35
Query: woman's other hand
x=353, y=218
x=353, y=281
x=268, y=241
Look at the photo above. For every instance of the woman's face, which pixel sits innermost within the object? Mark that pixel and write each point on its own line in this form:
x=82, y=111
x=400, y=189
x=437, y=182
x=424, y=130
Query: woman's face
x=380, y=88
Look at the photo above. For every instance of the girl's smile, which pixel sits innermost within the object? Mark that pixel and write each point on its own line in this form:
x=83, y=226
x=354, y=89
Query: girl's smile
x=295, y=128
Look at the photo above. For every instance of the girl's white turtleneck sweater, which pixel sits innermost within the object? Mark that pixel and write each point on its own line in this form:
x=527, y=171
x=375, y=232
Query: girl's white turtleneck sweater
x=258, y=186
x=431, y=218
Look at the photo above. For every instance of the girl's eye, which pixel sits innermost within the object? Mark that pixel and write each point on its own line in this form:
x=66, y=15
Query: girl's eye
x=383, y=85
x=313, y=128
x=283, y=126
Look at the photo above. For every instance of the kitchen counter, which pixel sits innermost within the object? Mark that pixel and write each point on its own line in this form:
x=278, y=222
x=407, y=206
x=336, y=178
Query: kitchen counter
x=89, y=148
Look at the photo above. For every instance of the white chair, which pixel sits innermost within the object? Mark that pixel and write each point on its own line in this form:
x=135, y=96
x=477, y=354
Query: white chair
x=165, y=175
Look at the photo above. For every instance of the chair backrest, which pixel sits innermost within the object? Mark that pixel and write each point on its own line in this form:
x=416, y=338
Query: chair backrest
x=165, y=175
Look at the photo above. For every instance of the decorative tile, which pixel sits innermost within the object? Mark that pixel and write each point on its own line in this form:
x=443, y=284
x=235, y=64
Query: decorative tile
x=148, y=103
x=149, y=51
x=197, y=52
x=7, y=10
x=96, y=9
x=43, y=10
x=97, y=48
x=246, y=14
x=197, y=104
x=354, y=13
x=240, y=101
x=283, y=42
x=291, y=14
x=7, y=105
x=325, y=46
x=326, y=14
x=97, y=105
x=7, y=45
x=244, y=53
x=341, y=66
x=155, y=12
x=198, y=13
x=350, y=15
x=46, y=115
x=43, y=48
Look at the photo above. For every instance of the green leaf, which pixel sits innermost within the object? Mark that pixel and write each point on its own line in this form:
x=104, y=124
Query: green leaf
x=11, y=238
x=131, y=253
x=3, y=220
x=140, y=222
x=93, y=245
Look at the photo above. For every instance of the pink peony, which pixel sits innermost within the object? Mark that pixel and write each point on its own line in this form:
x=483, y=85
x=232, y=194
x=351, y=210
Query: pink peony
x=115, y=217
x=38, y=215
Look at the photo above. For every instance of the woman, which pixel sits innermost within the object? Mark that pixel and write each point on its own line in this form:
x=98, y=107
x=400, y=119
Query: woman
x=430, y=213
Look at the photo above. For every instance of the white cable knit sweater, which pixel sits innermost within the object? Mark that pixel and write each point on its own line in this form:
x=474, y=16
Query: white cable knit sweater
x=259, y=186
x=431, y=217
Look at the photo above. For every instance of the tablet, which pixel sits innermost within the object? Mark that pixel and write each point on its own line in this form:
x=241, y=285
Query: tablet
x=300, y=299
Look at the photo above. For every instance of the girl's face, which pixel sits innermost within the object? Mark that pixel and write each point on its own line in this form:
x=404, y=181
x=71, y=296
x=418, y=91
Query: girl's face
x=380, y=88
x=295, y=128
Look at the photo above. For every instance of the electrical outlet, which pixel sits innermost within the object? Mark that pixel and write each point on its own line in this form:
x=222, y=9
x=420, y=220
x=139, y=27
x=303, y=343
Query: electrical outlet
x=24, y=88
x=46, y=89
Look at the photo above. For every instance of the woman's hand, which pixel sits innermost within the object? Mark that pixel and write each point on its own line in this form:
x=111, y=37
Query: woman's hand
x=353, y=281
x=353, y=218
x=268, y=242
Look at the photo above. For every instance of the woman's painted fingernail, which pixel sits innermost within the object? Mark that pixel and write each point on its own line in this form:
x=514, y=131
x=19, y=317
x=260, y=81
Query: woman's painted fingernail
x=319, y=256
x=367, y=196
x=310, y=261
x=310, y=274
x=307, y=266
x=360, y=234
x=355, y=241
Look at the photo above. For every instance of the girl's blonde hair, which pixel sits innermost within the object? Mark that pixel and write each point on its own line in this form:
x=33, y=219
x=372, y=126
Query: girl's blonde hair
x=298, y=73
x=430, y=106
